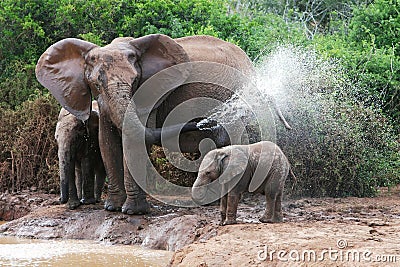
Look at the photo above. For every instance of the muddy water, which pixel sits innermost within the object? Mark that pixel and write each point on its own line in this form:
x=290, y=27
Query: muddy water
x=28, y=252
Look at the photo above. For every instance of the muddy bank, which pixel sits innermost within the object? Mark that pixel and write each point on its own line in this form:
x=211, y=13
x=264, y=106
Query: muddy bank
x=166, y=228
x=17, y=205
x=316, y=232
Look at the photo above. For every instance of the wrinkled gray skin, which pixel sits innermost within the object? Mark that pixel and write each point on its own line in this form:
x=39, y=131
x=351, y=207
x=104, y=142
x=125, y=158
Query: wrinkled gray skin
x=75, y=70
x=82, y=172
x=228, y=162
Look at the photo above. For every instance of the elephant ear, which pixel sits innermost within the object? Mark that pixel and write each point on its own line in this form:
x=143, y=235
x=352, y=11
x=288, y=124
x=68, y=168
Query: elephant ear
x=158, y=52
x=232, y=162
x=61, y=70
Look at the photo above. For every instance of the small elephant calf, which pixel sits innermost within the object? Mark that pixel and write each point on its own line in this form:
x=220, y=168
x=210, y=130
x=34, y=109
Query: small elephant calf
x=82, y=171
x=261, y=167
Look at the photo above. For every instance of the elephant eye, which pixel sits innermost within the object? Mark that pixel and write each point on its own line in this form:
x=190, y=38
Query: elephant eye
x=92, y=58
x=132, y=57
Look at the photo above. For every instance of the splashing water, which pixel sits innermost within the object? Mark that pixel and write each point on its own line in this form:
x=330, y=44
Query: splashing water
x=287, y=74
x=298, y=79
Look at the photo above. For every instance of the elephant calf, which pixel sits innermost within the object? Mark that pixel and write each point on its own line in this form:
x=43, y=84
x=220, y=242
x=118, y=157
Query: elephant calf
x=79, y=157
x=260, y=167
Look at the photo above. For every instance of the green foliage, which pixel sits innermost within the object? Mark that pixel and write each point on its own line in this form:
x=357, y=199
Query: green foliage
x=378, y=24
x=171, y=17
x=375, y=30
x=369, y=50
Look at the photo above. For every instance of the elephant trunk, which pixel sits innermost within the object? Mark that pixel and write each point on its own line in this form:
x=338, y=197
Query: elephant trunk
x=134, y=127
x=153, y=136
x=198, y=193
x=116, y=103
x=118, y=114
x=199, y=189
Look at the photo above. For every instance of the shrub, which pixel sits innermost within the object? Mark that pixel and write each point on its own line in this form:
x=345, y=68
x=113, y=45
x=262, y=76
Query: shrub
x=29, y=151
x=369, y=49
x=341, y=149
x=341, y=145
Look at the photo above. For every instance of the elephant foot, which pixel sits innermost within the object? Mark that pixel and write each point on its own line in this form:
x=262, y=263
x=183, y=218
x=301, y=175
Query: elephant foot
x=271, y=220
x=136, y=206
x=73, y=204
x=112, y=206
x=88, y=201
x=229, y=222
x=98, y=199
x=114, y=203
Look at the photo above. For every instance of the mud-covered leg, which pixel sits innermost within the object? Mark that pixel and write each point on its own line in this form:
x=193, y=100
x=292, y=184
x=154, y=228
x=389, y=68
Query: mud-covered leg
x=73, y=201
x=278, y=216
x=87, y=182
x=67, y=169
x=222, y=208
x=269, y=209
x=100, y=179
x=136, y=202
x=111, y=151
x=232, y=204
x=78, y=182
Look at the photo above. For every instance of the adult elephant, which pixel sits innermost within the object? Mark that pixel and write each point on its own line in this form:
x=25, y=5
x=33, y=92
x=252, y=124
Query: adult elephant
x=75, y=70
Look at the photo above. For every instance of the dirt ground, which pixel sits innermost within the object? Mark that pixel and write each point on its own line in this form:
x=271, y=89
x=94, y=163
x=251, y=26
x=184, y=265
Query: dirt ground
x=315, y=232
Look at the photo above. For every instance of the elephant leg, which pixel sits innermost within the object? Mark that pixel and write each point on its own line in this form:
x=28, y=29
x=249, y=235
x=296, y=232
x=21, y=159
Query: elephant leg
x=67, y=168
x=136, y=202
x=223, y=206
x=66, y=173
x=87, y=182
x=78, y=182
x=111, y=151
x=278, y=216
x=99, y=182
x=269, y=209
x=273, y=194
x=73, y=201
x=231, y=209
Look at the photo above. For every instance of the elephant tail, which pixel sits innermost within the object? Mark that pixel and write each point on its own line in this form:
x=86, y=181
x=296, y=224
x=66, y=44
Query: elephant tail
x=294, y=179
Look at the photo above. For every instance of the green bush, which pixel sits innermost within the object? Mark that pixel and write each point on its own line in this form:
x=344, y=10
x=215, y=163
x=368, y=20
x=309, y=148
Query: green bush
x=369, y=50
x=377, y=23
x=348, y=150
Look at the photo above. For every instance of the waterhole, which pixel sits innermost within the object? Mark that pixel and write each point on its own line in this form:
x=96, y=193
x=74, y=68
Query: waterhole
x=33, y=252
